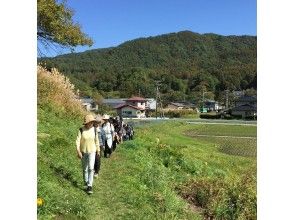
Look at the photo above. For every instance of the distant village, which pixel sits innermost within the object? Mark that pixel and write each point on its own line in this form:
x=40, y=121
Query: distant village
x=243, y=107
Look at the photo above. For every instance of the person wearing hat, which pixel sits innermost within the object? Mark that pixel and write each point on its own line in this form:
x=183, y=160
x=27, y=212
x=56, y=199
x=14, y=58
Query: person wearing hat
x=98, y=132
x=87, y=144
x=107, y=135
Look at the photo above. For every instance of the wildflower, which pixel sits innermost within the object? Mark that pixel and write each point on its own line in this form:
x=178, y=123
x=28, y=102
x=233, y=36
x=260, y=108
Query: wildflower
x=40, y=201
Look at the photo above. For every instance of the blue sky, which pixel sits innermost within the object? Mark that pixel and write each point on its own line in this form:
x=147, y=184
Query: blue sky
x=112, y=22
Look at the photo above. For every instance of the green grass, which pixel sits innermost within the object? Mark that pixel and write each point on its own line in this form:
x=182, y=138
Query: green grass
x=144, y=179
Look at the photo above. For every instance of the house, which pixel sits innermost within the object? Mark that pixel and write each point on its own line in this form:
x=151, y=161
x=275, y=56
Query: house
x=137, y=101
x=89, y=104
x=211, y=105
x=175, y=105
x=113, y=102
x=245, y=110
x=180, y=105
x=238, y=94
x=150, y=104
x=134, y=107
x=250, y=100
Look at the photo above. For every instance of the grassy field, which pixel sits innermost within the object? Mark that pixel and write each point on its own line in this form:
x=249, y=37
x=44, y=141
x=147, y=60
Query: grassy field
x=167, y=172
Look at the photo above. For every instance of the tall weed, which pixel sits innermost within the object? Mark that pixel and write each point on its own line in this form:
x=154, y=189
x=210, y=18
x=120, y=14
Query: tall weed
x=55, y=91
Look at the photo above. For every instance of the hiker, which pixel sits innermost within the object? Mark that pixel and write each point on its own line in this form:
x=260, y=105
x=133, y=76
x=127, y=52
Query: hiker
x=107, y=135
x=87, y=144
x=124, y=132
x=129, y=132
x=98, y=132
x=117, y=129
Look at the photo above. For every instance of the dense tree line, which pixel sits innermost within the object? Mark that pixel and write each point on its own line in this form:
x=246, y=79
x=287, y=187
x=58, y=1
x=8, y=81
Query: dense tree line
x=186, y=63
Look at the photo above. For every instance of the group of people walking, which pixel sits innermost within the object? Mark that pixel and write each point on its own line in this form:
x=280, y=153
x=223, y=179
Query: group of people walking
x=100, y=133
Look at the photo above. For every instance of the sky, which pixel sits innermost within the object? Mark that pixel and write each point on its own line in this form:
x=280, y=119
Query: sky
x=112, y=22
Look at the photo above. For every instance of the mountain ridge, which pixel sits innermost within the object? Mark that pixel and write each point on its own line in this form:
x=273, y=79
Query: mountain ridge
x=187, y=63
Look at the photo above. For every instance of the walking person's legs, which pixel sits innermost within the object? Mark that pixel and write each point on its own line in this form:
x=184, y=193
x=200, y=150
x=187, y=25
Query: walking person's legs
x=91, y=162
x=97, y=165
x=109, y=144
x=88, y=162
x=114, y=143
x=105, y=149
x=85, y=168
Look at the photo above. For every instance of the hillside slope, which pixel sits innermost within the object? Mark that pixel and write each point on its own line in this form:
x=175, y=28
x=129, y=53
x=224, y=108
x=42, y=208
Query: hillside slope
x=185, y=62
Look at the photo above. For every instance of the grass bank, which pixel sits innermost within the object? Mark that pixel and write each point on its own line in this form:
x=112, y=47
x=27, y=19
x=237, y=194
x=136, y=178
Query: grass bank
x=162, y=174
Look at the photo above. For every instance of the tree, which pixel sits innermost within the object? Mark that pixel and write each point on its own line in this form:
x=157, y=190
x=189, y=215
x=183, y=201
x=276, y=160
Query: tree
x=55, y=26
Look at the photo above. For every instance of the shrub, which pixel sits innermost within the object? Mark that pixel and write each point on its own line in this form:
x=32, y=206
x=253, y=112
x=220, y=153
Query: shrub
x=251, y=117
x=55, y=91
x=179, y=113
x=210, y=116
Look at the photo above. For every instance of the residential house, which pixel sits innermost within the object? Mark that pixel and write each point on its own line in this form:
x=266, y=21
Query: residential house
x=89, y=104
x=245, y=110
x=134, y=107
x=238, y=94
x=175, y=106
x=211, y=105
x=113, y=102
x=250, y=100
x=180, y=105
x=150, y=104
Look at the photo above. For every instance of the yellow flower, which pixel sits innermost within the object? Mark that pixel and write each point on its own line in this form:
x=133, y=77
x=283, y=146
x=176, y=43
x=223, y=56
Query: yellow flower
x=40, y=201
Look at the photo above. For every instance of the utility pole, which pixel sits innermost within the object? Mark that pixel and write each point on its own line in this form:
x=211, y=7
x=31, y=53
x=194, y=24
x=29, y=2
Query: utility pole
x=227, y=99
x=202, y=100
x=156, y=99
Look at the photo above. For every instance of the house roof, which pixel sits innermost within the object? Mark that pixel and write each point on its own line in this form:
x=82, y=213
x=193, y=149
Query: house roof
x=245, y=107
x=107, y=101
x=210, y=101
x=238, y=93
x=247, y=99
x=126, y=105
x=177, y=104
x=136, y=98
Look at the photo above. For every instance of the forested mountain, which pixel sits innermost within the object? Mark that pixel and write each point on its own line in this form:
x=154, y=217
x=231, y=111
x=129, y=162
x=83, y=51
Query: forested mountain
x=186, y=63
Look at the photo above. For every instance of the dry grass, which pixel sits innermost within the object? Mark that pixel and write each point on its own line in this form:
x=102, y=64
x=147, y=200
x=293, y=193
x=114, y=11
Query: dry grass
x=55, y=90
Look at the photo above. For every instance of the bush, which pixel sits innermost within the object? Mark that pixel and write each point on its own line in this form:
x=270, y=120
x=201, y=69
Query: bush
x=251, y=117
x=54, y=90
x=210, y=116
x=180, y=113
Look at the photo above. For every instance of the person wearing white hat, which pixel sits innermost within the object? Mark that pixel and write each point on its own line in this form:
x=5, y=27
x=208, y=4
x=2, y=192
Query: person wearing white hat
x=87, y=145
x=107, y=135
